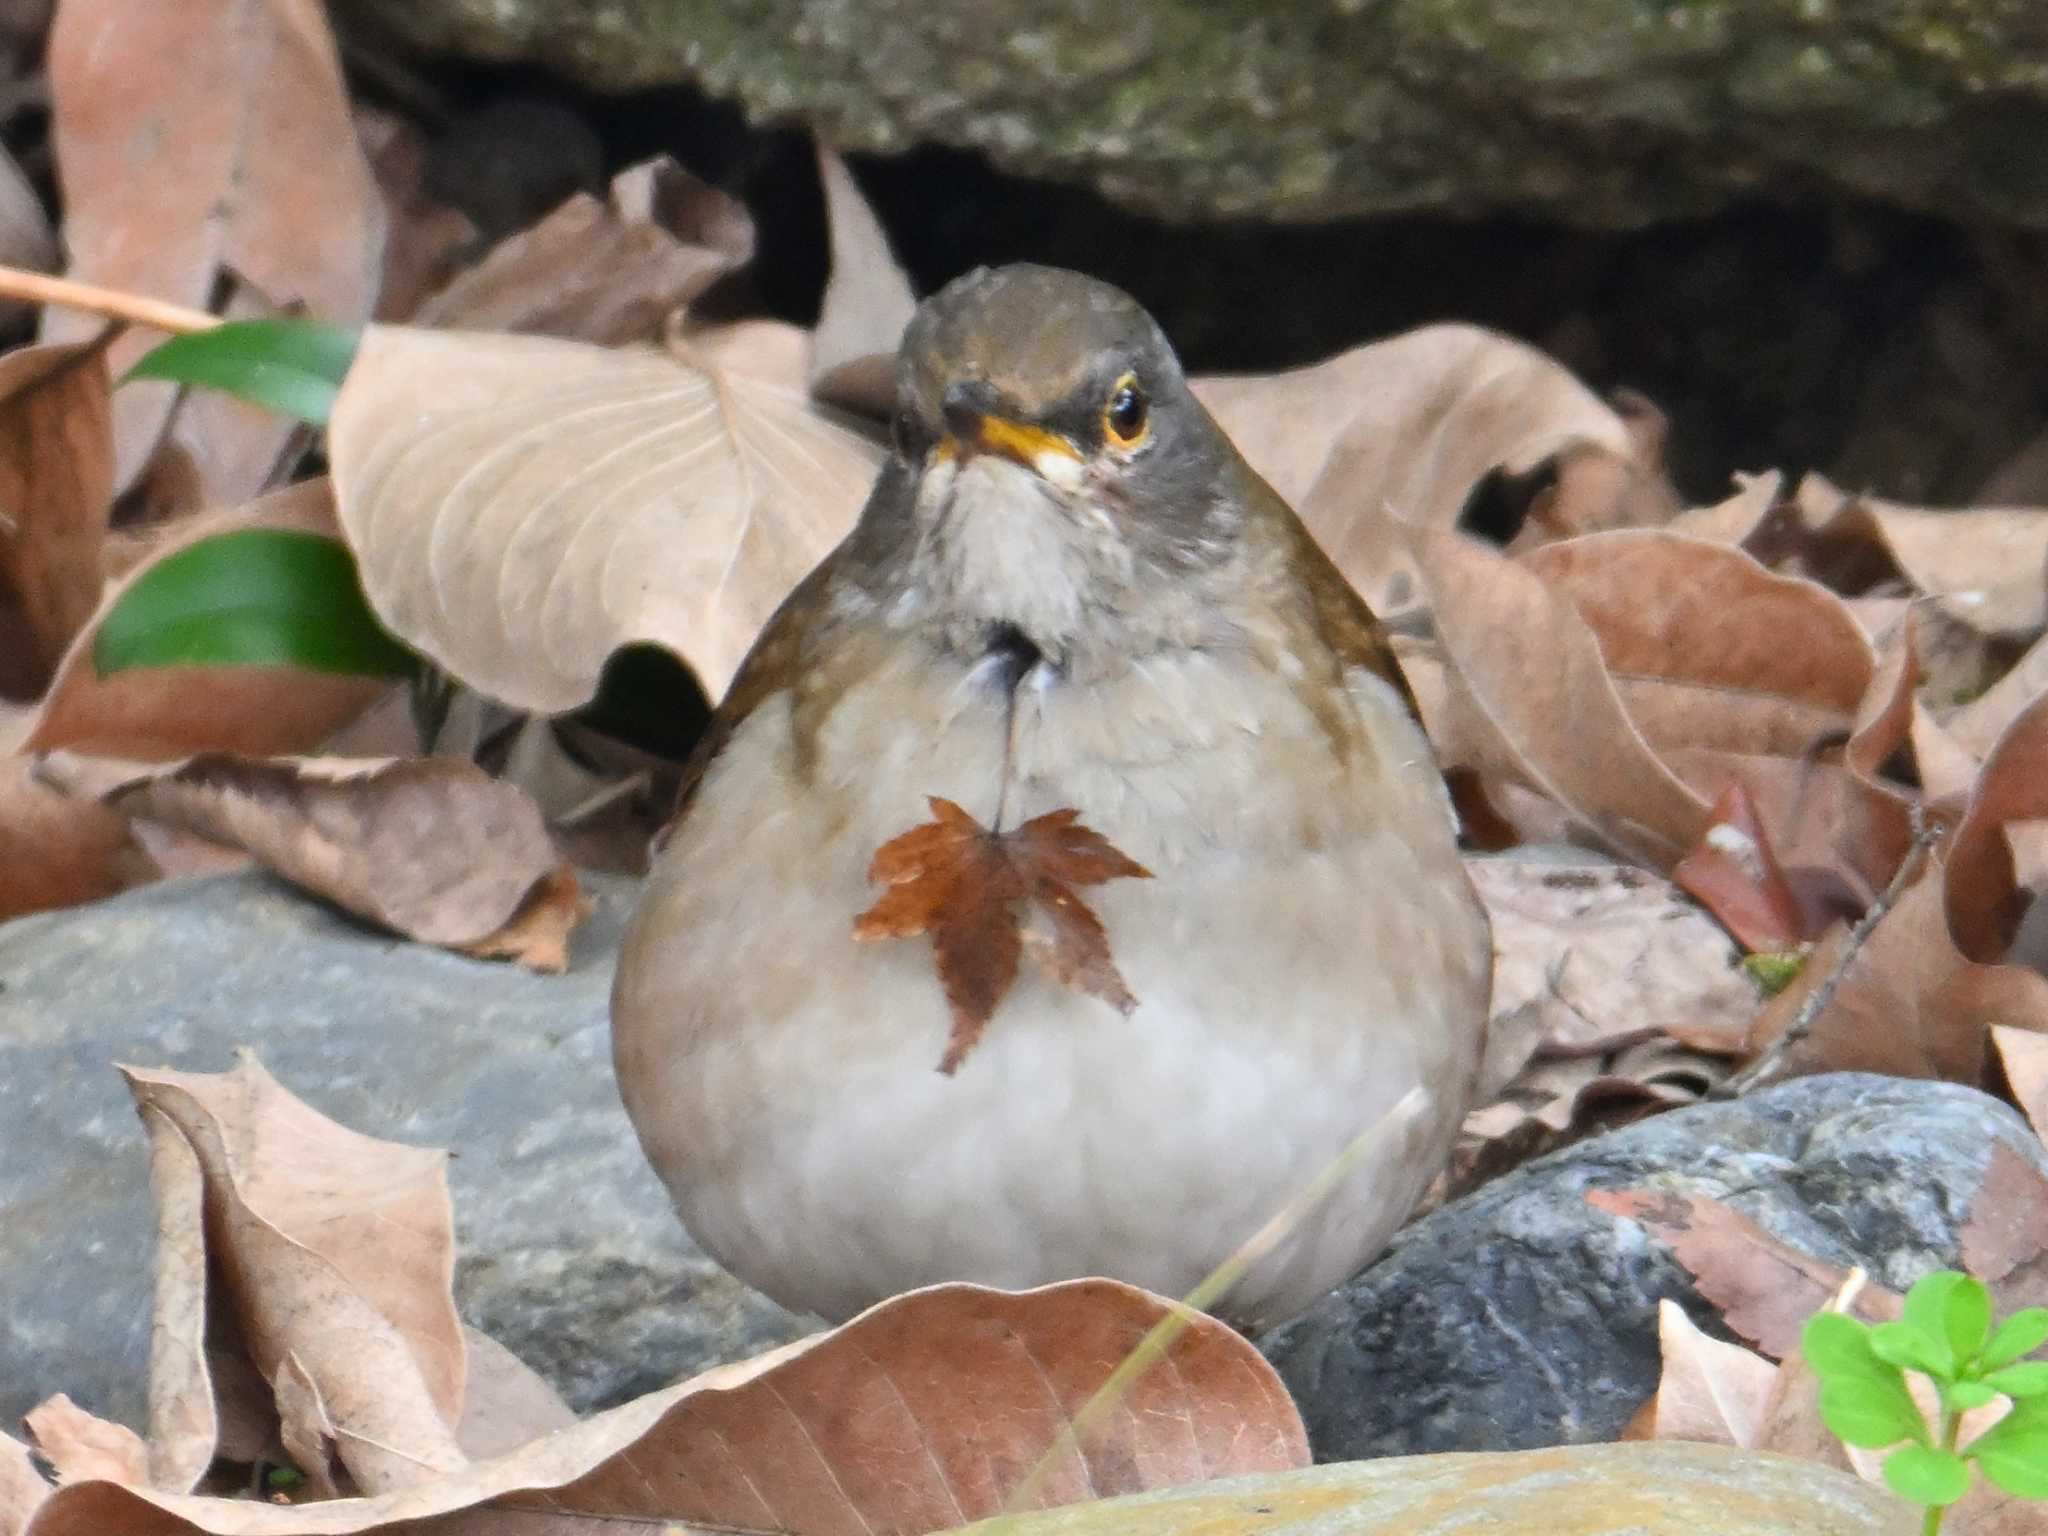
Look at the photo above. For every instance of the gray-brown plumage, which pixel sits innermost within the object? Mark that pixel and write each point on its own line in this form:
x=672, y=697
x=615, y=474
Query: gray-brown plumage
x=1067, y=590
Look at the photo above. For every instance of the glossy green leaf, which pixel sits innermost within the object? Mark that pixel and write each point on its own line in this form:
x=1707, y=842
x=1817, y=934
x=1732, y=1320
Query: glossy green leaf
x=1927, y=1310
x=256, y=597
x=1962, y=1396
x=293, y=367
x=2014, y=1456
x=2028, y=1380
x=1926, y=1474
x=1905, y=1346
x=1869, y=1412
x=1836, y=1344
x=2021, y=1334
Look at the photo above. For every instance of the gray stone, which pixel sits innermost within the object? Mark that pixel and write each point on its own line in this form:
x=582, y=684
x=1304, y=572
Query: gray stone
x=570, y=1254
x=1609, y=112
x=1521, y=1316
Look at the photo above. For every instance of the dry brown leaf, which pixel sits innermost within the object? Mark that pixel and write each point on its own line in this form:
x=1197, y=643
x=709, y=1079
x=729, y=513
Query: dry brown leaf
x=155, y=713
x=200, y=142
x=867, y=302
x=1404, y=430
x=56, y=851
x=2024, y=1055
x=425, y=238
x=431, y=848
x=522, y=507
x=504, y=1403
x=962, y=884
x=1733, y=520
x=1977, y=725
x=1984, y=567
x=1605, y=954
x=1597, y=490
x=1559, y=726
x=604, y=271
x=22, y=1487
x=184, y=1414
x=337, y=1249
x=2004, y=1241
x=82, y=1447
x=1986, y=899
x=1908, y=1003
x=923, y=1413
x=1708, y=1390
x=56, y=488
x=1766, y=1289
x=1733, y=873
x=304, y=1427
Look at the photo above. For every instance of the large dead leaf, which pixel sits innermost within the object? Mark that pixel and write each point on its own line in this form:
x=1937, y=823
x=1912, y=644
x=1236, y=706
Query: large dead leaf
x=522, y=507
x=1404, y=430
x=56, y=487
x=954, y=879
x=604, y=271
x=197, y=143
x=932, y=1409
x=81, y=1446
x=1987, y=893
x=1530, y=698
x=2004, y=1242
x=164, y=712
x=2024, y=1055
x=1605, y=955
x=56, y=851
x=338, y=1251
x=432, y=848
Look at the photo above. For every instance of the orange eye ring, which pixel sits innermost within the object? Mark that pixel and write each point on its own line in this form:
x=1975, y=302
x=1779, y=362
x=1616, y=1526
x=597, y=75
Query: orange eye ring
x=1126, y=415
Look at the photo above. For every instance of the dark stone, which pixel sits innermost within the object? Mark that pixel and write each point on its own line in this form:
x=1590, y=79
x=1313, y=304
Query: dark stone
x=1521, y=1316
x=569, y=1252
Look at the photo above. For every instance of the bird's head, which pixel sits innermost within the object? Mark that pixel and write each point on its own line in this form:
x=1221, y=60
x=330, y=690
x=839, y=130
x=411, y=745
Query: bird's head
x=1052, y=476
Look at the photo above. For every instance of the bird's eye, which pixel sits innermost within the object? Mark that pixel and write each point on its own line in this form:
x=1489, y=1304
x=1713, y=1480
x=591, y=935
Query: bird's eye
x=1124, y=414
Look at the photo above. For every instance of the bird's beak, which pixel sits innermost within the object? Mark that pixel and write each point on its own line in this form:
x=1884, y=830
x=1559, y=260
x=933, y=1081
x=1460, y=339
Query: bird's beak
x=969, y=432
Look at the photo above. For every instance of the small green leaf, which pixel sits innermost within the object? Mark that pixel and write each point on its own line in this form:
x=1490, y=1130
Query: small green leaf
x=255, y=597
x=1903, y=1345
x=1962, y=1396
x=1926, y=1474
x=1870, y=1413
x=1836, y=1344
x=1773, y=970
x=2028, y=1380
x=293, y=367
x=1927, y=1313
x=2021, y=1334
x=2015, y=1456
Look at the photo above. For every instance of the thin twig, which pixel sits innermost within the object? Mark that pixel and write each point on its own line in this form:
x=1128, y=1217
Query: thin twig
x=1925, y=834
x=133, y=308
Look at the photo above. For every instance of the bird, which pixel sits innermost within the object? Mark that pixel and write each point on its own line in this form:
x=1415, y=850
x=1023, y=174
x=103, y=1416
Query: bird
x=1068, y=593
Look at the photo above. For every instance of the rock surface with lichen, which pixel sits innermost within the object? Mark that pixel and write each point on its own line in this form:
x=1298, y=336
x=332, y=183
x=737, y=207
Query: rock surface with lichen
x=1601, y=112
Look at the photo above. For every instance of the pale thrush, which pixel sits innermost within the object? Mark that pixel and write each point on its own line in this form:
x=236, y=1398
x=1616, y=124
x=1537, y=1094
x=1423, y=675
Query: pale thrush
x=1067, y=591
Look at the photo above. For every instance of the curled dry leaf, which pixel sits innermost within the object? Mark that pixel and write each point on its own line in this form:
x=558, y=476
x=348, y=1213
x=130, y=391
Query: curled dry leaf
x=1766, y=1289
x=431, y=848
x=928, y=1411
x=1986, y=899
x=1708, y=1390
x=338, y=1251
x=155, y=713
x=1733, y=520
x=1732, y=872
x=82, y=1447
x=1984, y=567
x=522, y=507
x=604, y=271
x=2024, y=1055
x=2004, y=1242
x=1560, y=727
x=56, y=488
x=867, y=302
x=239, y=162
x=56, y=851
x=184, y=1411
x=1424, y=417
x=954, y=879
